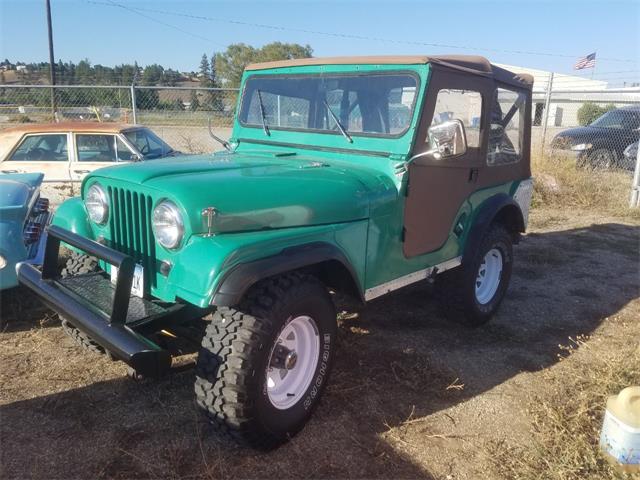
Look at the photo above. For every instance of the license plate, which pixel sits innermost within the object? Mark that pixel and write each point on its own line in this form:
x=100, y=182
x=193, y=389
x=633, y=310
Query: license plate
x=137, y=285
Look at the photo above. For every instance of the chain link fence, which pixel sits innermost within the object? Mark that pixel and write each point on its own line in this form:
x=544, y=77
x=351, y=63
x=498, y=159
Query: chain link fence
x=573, y=120
x=180, y=115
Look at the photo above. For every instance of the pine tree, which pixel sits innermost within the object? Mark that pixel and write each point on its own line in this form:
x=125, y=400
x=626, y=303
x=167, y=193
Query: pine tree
x=214, y=79
x=204, y=71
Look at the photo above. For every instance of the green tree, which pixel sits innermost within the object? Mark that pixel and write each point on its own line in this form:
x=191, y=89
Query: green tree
x=213, y=75
x=171, y=77
x=84, y=72
x=590, y=111
x=152, y=75
x=231, y=63
x=204, y=72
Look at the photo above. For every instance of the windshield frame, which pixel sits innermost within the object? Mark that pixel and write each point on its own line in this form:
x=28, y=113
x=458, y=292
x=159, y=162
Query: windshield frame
x=318, y=74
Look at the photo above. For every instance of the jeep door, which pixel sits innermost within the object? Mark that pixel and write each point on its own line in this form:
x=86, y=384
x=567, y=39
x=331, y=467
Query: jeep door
x=438, y=188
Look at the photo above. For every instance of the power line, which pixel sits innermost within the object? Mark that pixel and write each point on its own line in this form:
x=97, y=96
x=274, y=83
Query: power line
x=343, y=35
x=134, y=10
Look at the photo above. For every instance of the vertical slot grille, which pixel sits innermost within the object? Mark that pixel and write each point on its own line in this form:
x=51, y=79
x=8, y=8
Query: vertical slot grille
x=130, y=228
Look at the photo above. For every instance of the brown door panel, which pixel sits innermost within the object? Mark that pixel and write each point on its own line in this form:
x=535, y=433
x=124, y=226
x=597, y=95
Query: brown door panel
x=438, y=188
x=436, y=194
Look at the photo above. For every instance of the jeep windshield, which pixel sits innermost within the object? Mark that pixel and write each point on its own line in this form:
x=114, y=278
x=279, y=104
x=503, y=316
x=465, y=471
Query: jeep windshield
x=361, y=104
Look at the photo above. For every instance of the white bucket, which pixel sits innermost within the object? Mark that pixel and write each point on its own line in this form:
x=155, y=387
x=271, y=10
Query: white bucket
x=620, y=438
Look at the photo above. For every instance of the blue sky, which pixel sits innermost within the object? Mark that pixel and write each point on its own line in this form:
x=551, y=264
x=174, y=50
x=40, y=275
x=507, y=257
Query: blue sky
x=107, y=34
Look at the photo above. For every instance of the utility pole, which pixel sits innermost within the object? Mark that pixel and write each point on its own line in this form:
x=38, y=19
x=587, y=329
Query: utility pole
x=635, y=187
x=547, y=104
x=52, y=69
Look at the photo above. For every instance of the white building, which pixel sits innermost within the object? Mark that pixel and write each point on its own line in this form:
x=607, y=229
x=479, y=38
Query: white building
x=569, y=93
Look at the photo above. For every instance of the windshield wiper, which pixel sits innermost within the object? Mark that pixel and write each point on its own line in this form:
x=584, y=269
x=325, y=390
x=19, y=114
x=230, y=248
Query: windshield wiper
x=262, y=115
x=335, y=119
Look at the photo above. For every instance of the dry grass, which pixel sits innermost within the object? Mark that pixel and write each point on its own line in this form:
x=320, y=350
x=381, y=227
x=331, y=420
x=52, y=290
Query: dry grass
x=567, y=419
x=603, y=191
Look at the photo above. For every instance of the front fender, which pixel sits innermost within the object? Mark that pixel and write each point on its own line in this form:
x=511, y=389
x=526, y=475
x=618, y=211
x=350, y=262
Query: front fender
x=71, y=215
x=13, y=250
x=200, y=271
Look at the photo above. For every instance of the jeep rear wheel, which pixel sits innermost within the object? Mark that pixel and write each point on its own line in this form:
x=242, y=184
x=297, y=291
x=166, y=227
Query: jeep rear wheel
x=263, y=366
x=472, y=293
x=78, y=264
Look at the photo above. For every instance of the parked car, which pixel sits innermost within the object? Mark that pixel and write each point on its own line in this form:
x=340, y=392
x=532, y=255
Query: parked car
x=70, y=150
x=23, y=218
x=631, y=155
x=602, y=143
x=321, y=190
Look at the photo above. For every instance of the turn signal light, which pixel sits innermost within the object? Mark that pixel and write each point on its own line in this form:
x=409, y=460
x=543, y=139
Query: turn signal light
x=32, y=232
x=41, y=206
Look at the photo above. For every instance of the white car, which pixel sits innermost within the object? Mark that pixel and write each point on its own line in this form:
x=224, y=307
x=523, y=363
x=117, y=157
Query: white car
x=68, y=151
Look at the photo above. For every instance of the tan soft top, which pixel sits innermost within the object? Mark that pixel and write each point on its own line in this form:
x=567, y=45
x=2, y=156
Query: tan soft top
x=469, y=63
x=104, y=127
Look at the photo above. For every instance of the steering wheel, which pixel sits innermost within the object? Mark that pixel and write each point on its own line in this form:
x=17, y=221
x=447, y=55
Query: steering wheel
x=36, y=153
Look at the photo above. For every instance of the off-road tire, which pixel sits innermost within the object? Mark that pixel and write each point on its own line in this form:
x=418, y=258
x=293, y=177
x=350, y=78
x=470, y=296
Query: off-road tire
x=79, y=264
x=456, y=289
x=231, y=370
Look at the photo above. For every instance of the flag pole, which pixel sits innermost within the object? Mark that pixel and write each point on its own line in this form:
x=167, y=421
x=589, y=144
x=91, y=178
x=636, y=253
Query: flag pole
x=594, y=64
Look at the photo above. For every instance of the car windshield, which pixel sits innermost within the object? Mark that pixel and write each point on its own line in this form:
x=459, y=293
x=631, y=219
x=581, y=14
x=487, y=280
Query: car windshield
x=148, y=143
x=360, y=104
x=621, y=119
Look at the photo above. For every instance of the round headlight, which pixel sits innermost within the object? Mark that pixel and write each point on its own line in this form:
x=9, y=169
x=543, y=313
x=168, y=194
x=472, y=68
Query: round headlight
x=97, y=204
x=168, y=226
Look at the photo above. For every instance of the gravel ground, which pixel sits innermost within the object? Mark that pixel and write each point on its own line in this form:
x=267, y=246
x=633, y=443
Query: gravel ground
x=411, y=395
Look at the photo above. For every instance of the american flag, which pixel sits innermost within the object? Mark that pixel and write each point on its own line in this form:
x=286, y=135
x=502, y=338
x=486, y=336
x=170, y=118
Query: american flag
x=586, y=62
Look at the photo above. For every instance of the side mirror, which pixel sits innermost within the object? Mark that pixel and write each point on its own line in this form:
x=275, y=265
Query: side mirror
x=447, y=139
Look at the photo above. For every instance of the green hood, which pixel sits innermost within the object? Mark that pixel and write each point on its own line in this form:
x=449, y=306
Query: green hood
x=252, y=191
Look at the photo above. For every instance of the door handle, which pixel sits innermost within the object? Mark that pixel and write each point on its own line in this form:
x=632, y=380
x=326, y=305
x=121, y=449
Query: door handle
x=473, y=175
x=10, y=171
x=81, y=171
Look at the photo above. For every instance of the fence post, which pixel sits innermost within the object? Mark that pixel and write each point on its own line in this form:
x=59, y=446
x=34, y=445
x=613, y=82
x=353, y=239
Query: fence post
x=635, y=187
x=134, y=113
x=547, y=102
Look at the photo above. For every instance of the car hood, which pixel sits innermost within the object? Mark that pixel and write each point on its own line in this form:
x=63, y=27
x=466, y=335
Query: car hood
x=16, y=192
x=251, y=191
x=577, y=135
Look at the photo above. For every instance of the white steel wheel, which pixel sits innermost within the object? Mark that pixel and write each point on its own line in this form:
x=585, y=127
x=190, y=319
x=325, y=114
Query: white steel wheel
x=293, y=362
x=489, y=275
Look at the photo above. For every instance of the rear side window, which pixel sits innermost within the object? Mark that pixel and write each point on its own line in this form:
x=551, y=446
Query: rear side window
x=96, y=148
x=463, y=105
x=507, y=127
x=43, y=148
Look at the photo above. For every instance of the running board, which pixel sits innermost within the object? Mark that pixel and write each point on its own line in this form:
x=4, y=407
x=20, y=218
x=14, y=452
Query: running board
x=414, y=277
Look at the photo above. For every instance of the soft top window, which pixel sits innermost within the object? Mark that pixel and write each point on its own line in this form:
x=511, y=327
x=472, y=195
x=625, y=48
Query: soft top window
x=364, y=104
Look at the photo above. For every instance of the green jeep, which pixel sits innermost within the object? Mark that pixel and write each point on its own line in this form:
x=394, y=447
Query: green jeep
x=351, y=176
